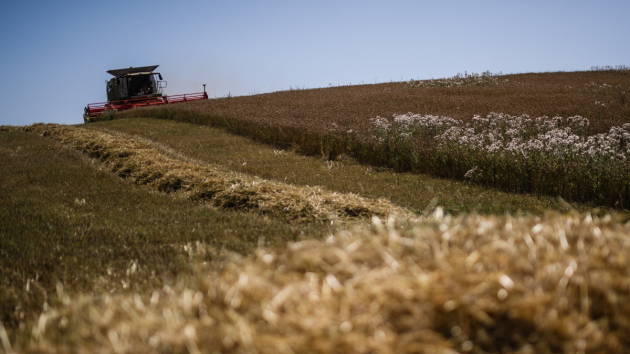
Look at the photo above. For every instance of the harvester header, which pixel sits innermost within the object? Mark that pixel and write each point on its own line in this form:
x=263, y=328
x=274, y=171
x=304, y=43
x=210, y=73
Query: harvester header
x=136, y=87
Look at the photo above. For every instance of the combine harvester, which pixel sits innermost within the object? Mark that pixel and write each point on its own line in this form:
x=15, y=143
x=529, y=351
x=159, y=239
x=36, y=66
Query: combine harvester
x=136, y=87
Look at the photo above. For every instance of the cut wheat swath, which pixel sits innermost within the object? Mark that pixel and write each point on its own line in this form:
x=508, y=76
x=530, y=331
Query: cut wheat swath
x=140, y=162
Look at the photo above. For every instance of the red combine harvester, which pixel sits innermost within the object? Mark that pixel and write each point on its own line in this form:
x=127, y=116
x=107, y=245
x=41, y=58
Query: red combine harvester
x=135, y=87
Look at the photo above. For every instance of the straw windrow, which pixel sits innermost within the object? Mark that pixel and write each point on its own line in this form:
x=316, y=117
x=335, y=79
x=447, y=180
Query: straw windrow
x=140, y=162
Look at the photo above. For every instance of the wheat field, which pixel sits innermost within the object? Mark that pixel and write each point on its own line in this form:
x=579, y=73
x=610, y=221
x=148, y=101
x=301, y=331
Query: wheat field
x=314, y=231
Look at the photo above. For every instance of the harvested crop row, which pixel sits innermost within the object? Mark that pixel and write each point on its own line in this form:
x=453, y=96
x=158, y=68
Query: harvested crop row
x=141, y=163
x=472, y=284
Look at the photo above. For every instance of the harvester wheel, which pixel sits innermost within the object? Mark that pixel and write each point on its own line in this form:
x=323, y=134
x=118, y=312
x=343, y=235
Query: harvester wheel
x=86, y=116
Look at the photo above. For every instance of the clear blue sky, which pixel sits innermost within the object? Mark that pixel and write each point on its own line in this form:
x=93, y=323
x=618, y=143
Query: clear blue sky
x=54, y=54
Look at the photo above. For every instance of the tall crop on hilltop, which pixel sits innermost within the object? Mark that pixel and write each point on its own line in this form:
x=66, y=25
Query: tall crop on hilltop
x=459, y=80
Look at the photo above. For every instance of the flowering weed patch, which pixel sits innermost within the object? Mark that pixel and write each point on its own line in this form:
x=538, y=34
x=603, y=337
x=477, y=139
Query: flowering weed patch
x=540, y=155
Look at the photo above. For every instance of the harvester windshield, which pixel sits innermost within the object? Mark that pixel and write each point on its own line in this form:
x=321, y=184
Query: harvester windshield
x=134, y=83
x=134, y=86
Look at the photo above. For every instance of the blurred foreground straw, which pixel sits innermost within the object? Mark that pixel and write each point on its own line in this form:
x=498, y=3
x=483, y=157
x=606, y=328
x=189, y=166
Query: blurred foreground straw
x=471, y=284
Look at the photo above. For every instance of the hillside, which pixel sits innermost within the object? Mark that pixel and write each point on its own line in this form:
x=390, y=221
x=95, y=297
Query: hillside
x=144, y=234
x=449, y=128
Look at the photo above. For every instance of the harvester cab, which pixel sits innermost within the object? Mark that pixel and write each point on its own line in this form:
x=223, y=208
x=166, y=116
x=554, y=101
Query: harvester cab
x=134, y=83
x=135, y=87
